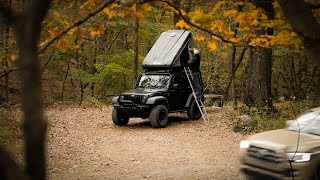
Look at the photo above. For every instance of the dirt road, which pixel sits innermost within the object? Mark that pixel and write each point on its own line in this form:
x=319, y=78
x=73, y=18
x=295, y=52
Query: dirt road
x=84, y=144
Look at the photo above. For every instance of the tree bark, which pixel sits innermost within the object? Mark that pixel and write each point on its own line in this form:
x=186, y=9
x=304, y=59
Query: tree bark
x=259, y=67
x=305, y=24
x=231, y=74
x=136, y=51
x=28, y=29
x=64, y=80
x=258, y=77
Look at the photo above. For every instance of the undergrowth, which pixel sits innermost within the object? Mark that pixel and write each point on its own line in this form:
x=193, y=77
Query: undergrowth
x=264, y=119
x=10, y=127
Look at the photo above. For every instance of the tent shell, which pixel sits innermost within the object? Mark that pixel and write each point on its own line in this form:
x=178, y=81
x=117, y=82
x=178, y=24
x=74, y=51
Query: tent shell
x=170, y=51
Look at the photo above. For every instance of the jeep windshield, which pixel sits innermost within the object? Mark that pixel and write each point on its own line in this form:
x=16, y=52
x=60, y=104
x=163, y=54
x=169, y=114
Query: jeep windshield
x=308, y=122
x=154, y=81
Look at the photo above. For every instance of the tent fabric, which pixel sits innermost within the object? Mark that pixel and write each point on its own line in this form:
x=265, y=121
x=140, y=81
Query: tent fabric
x=166, y=52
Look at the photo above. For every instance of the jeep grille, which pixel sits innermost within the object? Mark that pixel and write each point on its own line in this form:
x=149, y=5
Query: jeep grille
x=134, y=98
x=263, y=154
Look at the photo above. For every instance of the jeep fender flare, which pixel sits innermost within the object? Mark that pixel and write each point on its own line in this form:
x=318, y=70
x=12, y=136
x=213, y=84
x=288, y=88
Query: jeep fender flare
x=158, y=100
x=115, y=100
x=189, y=101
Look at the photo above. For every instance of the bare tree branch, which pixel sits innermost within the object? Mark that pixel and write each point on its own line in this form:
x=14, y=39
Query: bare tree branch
x=194, y=25
x=241, y=57
x=8, y=72
x=304, y=23
x=77, y=23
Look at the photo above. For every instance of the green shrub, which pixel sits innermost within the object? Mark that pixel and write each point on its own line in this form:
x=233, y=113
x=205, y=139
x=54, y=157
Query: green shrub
x=265, y=119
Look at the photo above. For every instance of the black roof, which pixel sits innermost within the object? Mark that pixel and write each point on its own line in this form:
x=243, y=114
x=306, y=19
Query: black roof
x=169, y=51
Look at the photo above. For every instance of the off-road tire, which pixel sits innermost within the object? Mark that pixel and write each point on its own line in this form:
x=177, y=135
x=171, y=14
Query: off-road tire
x=119, y=119
x=159, y=116
x=193, y=111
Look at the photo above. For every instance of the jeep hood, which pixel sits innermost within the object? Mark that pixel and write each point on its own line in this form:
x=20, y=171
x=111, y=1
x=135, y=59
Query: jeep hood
x=144, y=91
x=284, y=139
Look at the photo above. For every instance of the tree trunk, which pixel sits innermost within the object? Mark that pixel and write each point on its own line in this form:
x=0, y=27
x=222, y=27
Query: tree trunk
x=258, y=78
x=136, y=51
x=305, y=24
x=64, y=80
x=231, y=74
x=28, y=28
x=259, y=67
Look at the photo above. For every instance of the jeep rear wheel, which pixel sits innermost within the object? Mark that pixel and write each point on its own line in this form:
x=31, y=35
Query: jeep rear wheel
x=119, y=119
x=159, y=116
x=193, y=111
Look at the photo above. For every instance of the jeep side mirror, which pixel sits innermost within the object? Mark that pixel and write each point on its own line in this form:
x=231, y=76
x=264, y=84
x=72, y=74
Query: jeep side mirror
x=175, y=86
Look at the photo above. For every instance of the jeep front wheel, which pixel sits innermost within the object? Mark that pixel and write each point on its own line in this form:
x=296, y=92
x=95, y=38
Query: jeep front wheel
x=159, y=116
x=193, y=111
x=119, y=119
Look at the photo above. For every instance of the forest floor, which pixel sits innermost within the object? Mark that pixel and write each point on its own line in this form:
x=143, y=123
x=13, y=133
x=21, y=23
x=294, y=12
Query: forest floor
x=83, y=143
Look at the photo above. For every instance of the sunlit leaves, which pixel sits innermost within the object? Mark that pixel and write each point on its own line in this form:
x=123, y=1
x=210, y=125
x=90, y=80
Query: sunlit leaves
x=62, y=44
x=111, y=11
x=231, y=13
x=212, y=45
x=182, y=24
x=198, y=38
x=96, y=30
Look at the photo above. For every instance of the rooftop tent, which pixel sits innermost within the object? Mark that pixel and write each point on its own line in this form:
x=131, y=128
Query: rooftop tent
x=171, y=50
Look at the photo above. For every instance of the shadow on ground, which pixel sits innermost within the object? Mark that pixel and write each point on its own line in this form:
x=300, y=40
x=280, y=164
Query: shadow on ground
x=145, y=123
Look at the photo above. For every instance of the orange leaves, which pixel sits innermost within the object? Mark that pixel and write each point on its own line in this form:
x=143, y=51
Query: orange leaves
x=197, y=14
x=198, y=38
x=182, y=24
x=212, y=45
x=65, y=23
x=62, y=45
x=56, y=14
x=234, y=40
x=230, y=13
x=110, y=11
x=97, y=30
x=54, y=32
x=141, y=11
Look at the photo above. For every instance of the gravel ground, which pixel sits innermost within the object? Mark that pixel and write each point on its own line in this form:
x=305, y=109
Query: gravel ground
x=83, y=143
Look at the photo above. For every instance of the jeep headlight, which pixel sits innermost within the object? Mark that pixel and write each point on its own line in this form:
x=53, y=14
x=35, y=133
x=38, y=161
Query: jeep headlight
x=121, y=97
x=244, y=144
x=298, y=157
x=144, y=99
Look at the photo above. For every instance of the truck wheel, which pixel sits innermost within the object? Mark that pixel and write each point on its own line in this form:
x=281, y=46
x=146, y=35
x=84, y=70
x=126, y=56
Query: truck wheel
x=193, y=111
x=119, y=119
x=159, y=116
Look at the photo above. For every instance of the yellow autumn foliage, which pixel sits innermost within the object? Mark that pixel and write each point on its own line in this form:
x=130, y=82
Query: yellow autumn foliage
x=96, y=30
x=230, y=13
x=198, y=38
x=182, y=24
x=212, y=45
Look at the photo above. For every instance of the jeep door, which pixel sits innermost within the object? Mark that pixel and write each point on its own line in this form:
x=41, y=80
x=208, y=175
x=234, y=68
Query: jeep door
x=174, y=93
x=179, y=95
x=185, y=91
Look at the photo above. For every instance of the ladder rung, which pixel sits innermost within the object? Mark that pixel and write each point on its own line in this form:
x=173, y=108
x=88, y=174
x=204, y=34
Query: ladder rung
x=198, y=101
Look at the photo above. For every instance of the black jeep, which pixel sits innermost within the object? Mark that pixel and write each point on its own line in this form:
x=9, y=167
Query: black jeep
x=155, y=95
x=164, y=87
